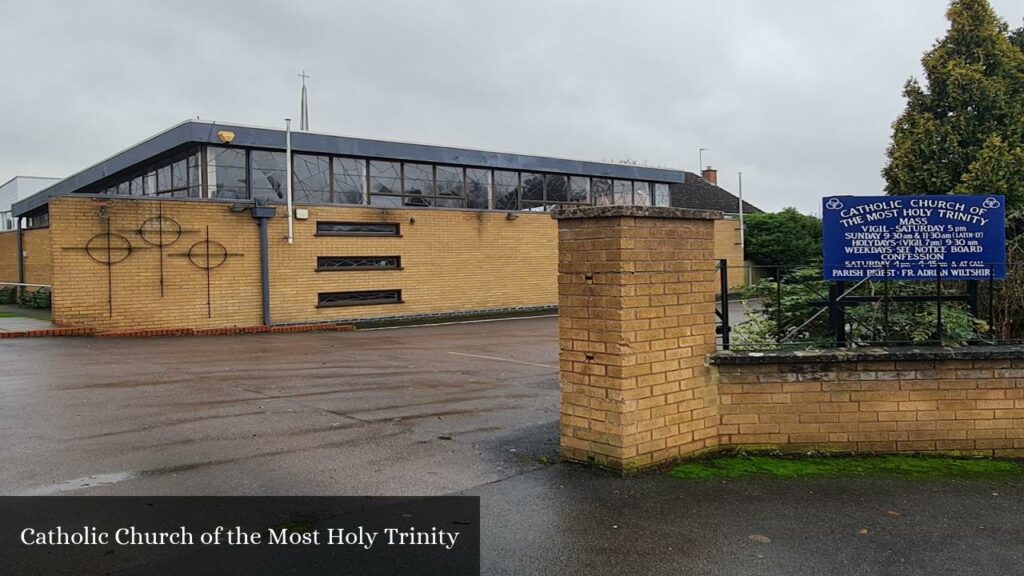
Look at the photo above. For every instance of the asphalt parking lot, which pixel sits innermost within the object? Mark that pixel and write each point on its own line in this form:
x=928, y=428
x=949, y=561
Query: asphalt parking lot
x=463, y=409
x=413, y=411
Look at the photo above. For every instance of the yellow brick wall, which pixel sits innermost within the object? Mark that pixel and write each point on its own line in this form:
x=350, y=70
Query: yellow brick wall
x=38, y=259
x=636, y=321
x=727, y=246
x=9, y=256
x=85, y=291
x=38, y=256
x=453, y=260
x=962, y=406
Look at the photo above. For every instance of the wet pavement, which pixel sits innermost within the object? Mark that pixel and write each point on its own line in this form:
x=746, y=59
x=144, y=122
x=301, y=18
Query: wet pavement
x=411, y=411
x=14, y=318
x=468, y=409
x=17, y=310
x=21, y=324
x=569, y=520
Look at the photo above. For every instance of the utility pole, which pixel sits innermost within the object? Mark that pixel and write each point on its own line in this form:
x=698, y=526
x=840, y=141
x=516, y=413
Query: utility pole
x=742, y=230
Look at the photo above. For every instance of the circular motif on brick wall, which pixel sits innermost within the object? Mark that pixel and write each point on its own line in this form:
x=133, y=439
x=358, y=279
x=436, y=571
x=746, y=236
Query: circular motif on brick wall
x=160, y=231
x=108, y=248
x=207, y=254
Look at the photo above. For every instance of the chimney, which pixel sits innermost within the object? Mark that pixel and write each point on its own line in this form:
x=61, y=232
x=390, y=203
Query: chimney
x=710, y=174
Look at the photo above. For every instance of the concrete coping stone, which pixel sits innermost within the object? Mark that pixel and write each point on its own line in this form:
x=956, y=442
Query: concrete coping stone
x=909, y=353
x=579, y=212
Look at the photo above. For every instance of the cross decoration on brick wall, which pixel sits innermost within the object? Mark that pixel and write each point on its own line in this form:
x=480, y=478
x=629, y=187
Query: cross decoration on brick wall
x=112, y=246
x=208, y=255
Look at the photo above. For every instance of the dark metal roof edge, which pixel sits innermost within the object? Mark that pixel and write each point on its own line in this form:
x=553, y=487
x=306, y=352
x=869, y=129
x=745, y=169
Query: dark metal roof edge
x=202, y=132
x=311, y=142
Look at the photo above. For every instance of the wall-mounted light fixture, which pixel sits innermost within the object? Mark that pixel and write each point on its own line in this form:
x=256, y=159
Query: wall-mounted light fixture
x=511, y=216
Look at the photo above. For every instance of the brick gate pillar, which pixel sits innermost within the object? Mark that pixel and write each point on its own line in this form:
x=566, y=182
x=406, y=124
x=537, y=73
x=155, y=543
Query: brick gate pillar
x=636, y=304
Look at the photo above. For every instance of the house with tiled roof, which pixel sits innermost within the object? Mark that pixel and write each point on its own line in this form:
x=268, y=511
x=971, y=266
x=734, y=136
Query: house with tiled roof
x=702, y=192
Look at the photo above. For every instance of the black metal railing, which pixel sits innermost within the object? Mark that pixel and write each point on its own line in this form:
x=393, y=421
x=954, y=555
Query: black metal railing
x=792, y=306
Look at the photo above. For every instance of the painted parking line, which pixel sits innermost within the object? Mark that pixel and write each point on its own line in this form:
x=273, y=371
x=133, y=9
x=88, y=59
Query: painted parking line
x=504, y=360
x=79, y=483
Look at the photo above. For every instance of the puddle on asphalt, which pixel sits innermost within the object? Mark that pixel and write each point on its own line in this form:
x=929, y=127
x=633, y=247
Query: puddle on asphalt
x=79, y=483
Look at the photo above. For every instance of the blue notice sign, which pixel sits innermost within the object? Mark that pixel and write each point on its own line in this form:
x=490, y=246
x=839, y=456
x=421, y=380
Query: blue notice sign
x=914, y=237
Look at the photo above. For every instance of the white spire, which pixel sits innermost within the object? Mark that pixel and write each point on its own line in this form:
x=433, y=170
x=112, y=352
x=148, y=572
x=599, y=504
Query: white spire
x=304, y=115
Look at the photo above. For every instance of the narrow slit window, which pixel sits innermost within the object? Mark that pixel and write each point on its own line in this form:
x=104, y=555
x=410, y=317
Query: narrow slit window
x=359, y=298
x=357, y=229
x=342, y=263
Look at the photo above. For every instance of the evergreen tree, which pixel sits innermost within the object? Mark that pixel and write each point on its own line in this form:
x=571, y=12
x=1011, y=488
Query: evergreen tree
x=784, y=238
x=963, y=131
x=1017, y=38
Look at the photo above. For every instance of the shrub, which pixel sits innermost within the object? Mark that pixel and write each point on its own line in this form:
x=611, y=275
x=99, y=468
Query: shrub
x=37, y=299
x=783, y=238
x=788, y=303
x=8, y=294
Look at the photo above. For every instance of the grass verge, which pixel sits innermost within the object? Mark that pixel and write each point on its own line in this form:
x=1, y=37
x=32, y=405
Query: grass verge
x=903, y=466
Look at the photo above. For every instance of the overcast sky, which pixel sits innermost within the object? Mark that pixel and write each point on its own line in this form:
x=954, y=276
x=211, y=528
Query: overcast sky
x=799, y=95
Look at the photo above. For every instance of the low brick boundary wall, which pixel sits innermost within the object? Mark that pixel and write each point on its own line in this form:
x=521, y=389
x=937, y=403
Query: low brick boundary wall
x=48, y=332
x=642, y=386
x=967, y=401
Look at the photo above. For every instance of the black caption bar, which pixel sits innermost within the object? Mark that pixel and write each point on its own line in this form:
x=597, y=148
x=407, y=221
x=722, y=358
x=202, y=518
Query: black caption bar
x=232, y=535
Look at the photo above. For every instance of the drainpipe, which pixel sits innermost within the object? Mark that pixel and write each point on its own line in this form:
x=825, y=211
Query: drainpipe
x=263, y=214
x=288, y=170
